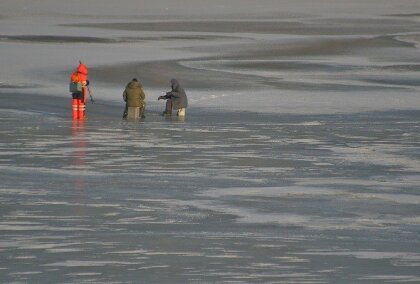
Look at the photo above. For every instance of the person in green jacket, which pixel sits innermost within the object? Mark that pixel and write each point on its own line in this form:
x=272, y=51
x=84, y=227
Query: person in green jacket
x=134, y=97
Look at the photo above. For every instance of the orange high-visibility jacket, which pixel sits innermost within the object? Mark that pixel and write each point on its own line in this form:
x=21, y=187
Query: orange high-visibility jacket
x=81, y=74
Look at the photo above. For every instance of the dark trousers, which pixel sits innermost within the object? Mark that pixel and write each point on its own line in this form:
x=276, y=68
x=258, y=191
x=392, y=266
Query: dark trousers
x=168, y=108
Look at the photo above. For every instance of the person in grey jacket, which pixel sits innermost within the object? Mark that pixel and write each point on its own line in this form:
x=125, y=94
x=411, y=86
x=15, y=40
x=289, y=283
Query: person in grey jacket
x=176, y=99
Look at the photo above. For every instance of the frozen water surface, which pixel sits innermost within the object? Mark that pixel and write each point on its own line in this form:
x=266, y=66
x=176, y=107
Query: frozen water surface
x=219, y=197
x=298, y=161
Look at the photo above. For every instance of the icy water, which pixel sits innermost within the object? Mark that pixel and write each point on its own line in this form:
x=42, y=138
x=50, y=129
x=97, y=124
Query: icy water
x=232, y=197
x=298, y=160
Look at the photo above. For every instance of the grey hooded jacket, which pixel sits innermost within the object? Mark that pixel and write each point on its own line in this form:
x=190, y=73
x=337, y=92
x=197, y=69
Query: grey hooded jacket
x=177, y=95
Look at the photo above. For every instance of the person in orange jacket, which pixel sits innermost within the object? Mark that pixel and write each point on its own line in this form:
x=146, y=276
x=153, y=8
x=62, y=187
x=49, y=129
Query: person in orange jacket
x=79, y=90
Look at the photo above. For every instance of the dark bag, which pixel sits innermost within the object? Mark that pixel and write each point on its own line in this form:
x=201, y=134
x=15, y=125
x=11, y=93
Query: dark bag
x=75, y=87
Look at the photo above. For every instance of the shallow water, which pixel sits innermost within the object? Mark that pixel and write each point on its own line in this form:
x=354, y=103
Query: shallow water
x=232, y=197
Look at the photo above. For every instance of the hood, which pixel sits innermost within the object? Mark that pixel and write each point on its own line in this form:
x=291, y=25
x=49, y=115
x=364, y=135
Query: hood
x=134, y=85
x=82, y=69
x=174, y=85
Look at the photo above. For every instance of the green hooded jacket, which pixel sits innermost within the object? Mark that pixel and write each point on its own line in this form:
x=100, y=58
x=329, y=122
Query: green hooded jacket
x=133, y=94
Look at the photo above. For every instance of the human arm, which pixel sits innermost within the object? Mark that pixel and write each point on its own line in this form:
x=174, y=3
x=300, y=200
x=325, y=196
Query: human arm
x=173, y=94
x=142, y=95
x=165, y=97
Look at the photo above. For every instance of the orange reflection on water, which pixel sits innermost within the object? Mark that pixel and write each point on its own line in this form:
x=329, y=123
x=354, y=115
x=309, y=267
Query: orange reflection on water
x=78, y=156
